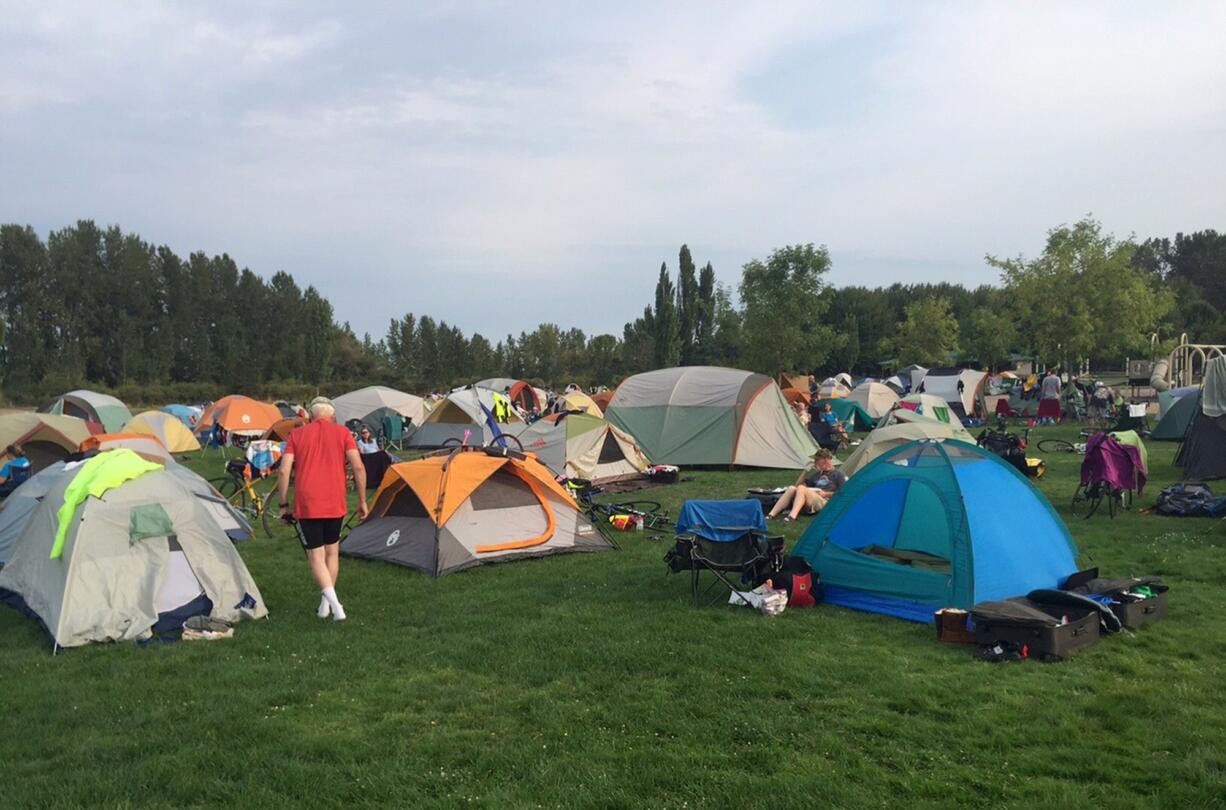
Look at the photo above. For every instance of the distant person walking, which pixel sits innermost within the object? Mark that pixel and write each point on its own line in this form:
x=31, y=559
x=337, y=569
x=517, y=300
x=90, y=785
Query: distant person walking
x=1049, y=398
x=318, y=452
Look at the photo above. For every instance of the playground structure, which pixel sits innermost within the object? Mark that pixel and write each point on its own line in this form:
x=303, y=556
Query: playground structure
x=1184, y=366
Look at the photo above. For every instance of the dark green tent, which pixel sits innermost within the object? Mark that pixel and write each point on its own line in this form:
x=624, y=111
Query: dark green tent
x=1173, y=426
x=851, y=414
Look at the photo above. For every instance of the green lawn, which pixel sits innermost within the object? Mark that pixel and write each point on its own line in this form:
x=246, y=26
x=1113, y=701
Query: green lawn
x=590, y=681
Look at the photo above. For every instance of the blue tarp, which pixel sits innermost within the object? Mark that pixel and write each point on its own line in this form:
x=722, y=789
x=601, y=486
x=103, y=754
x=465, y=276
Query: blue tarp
x=721, y=521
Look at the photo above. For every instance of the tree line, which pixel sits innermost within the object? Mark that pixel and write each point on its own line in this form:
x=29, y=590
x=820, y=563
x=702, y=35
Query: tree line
x=100, y=307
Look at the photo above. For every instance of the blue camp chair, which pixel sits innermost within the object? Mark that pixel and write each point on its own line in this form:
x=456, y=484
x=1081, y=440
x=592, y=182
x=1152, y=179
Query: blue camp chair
x=726, y=538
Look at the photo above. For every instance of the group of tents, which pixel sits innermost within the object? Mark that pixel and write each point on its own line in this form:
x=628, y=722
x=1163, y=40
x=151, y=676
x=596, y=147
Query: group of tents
x=1196, y=417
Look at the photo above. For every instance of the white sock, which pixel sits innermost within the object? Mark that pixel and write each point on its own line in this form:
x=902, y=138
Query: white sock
x=334, y=603
x=325, y=609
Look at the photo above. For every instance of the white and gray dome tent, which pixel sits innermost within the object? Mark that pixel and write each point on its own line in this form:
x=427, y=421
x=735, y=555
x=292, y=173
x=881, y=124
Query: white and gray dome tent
x=711, y=415
x=466, y=411
x=145, y=551
x=361, y=403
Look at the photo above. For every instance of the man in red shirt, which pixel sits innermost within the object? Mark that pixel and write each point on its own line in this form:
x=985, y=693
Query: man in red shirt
x=317, y=452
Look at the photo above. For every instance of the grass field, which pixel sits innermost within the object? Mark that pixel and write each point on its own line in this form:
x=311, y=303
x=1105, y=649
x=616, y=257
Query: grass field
x=591, y=681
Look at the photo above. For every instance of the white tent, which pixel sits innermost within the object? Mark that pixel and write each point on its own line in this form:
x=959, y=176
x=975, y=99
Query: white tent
x=962, y=388
x=364, y=401
x=876, y=398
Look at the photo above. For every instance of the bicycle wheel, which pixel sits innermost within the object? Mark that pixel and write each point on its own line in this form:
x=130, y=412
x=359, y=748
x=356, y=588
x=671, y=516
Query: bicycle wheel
x=225, y=486
x=270, y=511
x=519, y=446
x=1055, y=446
x=640, y=507
x=450, y=443
x=1086, y=501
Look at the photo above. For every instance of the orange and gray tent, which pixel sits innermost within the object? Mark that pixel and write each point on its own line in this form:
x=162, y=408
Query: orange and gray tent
x=280, y=430
x=142, y=444
x=581, y=446
x=448, y=512
x=794, y=395
x=46, y=438
x=167, y=428
x=241, y=415
x=92, y=407
x=711, y=415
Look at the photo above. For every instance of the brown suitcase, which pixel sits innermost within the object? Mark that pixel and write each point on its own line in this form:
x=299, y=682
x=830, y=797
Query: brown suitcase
x=1041, y=639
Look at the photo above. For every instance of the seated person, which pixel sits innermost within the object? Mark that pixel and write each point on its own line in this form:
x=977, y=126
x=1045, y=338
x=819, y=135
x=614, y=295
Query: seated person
x=366, y=441
x=812, y=490
x=15, y=470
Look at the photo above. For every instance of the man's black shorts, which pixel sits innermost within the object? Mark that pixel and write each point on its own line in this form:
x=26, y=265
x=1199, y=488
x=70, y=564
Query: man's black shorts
x=319, y=532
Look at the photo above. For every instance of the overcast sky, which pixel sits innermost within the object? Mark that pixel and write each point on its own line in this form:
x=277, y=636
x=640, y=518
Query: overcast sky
x=502, y=164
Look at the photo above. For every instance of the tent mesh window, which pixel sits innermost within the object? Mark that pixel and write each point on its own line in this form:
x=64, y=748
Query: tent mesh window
x=503, y=490
x=610, y=450
x=406, y=504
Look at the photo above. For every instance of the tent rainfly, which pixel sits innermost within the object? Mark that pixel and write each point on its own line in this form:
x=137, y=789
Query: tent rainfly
x=91, y=406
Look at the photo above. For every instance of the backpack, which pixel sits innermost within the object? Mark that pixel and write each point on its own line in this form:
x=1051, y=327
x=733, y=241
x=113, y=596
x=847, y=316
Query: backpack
x=1188, y=499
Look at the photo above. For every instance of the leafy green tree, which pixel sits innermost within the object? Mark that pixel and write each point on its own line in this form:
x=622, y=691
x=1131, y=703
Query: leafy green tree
x=1083, y=297
x=783, y=309
x=928, y=333
x=989, y=337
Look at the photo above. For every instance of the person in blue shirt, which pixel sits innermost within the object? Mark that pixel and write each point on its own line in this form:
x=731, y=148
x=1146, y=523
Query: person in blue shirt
x=366, y=441
x=15, y=470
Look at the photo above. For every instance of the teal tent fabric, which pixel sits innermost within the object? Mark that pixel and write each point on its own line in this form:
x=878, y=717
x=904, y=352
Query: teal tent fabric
x=952, y=502
x=1174, y=423
x=851, y=413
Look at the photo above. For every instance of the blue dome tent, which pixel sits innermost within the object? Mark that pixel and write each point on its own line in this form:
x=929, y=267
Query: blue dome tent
x=935, y=524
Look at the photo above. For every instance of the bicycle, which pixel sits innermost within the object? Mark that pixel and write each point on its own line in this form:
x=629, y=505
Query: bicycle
x=239, y=490
x=1063, y=446
x=1087, y=500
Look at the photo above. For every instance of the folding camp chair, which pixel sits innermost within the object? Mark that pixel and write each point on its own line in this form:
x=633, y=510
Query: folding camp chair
x=727, y=538
x=393, y=431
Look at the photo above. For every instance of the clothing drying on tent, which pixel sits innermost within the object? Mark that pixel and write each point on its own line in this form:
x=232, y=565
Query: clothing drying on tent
x=144, y=445
x=899, y=427
x=189, y=415
x=936, y=524
x=580, y=446
x=466, y=415
x=167, y=429
x=521, y=394
x=711, y=415
x=46, y=438
x=92, y=407
x=143, y=558
x=962, y=388
x=26, y=498
x=360, y=404
x=240, y=416
x=1203, y=452
x=876, y=398
x=448, y=512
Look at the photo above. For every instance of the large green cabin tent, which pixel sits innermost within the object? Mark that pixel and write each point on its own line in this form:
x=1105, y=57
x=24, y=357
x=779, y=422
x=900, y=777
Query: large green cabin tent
x=697, y=415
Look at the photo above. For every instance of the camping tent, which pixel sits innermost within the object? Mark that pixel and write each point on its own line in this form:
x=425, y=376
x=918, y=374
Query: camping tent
x=171, y=432
x=911, y=376
x=930, y=406
x=1203, y=452
x=1173, y=425
x=92, y=407
x=521, y=394
x=144, y=445
x=468, y=410
x=448, y=512
x=239, y=415
x=46, y=438
x=962, y=388
x=711, y=415
x=602, y=399
x=279, y=431
x=146, y=555
x=898, y=427
x=577, y=401
x=18, y=507
x=835, y=387
x=876, y=398
x=794, y=395
x=361, y=403
x=189, y=415
x=1166, y=399
x=581, y=446
x=851, y=413
x=923, y=528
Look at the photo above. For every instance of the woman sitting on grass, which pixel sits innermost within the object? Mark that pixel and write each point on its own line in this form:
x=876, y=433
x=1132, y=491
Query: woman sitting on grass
x=812, y=490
